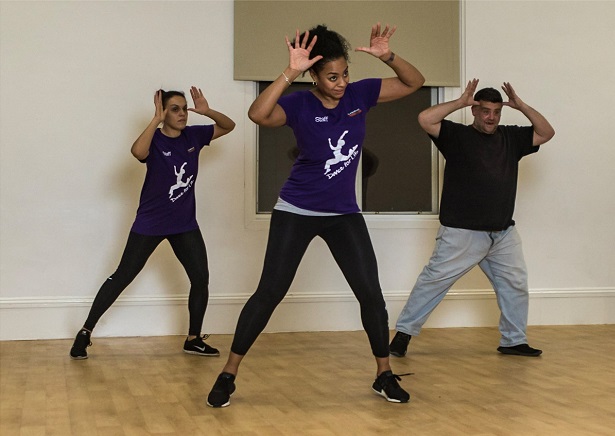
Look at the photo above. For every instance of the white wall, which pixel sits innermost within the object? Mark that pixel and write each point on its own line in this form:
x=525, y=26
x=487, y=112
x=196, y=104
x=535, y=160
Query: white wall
x=76, y=86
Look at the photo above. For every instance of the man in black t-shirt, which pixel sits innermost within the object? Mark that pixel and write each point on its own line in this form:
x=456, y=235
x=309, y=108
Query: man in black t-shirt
x=476, y=212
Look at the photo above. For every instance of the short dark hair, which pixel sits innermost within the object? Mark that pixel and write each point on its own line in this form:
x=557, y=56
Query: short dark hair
x=330, y=45
x=166, y=95
x=488, y=94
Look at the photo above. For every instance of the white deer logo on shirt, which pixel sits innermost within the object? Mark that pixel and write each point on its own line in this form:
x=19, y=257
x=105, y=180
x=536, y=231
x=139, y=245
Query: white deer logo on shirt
x=180, y=183
x=337, y=152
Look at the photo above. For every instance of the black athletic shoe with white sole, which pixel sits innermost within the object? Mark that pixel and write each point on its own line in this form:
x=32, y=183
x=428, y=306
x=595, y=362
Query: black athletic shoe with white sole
x=199, y=347
x=220, y=395
x=386, y=385
x=82, y=341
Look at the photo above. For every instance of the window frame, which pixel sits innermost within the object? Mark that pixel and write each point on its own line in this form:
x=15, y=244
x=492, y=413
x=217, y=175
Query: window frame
x=375, y=220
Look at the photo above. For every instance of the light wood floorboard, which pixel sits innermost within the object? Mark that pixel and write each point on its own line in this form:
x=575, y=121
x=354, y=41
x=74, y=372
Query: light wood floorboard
x=314, y=384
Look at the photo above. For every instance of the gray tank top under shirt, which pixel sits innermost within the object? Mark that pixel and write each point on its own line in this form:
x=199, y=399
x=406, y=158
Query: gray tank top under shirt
x=287, y=207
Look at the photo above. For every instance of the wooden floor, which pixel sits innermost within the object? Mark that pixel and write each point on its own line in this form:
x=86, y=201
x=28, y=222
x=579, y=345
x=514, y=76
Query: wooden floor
x=314, y=384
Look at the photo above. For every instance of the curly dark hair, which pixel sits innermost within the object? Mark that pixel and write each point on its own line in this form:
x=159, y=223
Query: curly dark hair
x=330, y=45
x=488, y=94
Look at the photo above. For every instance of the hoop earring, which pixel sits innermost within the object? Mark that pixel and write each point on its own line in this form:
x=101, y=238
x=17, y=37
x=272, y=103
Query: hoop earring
x=314, y=83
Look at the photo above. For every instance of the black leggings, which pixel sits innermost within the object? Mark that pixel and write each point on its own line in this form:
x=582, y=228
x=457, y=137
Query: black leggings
x=349, y=242
x=189, y=248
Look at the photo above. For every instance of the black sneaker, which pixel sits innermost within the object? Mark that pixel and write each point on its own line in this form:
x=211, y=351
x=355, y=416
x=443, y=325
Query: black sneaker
x=399, y=344
x=387, y=386
x=521, y=350
x=82, y=341
x=220, y=395
x=199, y=347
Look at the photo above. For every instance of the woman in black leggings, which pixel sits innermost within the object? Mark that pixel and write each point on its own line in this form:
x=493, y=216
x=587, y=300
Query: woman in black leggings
x=167, y=210
x=318, y=199
x=289, y=236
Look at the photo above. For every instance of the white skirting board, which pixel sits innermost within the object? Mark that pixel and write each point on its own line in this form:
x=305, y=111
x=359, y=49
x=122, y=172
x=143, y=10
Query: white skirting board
x=60, y=318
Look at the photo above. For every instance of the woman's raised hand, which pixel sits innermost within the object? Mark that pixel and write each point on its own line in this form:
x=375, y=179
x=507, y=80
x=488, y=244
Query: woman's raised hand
x=379, y=41
x=299, y=53
x=201, y=106
x=160, y=113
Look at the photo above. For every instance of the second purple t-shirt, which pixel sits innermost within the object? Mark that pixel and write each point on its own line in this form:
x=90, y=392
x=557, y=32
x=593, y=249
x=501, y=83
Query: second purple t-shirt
x=168, y=205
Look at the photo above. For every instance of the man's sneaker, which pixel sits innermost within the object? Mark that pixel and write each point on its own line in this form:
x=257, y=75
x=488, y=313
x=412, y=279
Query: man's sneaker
x=399, y=344
x=82, y=341
x=220, y=395
x=387, y=386
x=521, y=350
x=199, y=347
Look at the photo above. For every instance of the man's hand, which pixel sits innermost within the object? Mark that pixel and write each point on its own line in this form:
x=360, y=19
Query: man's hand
x=543, y=131
x=513, y=99
x=467, y=98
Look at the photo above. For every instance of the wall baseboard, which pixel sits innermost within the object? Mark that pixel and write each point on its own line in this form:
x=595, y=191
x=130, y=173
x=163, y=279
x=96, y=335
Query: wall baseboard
x=61, y=317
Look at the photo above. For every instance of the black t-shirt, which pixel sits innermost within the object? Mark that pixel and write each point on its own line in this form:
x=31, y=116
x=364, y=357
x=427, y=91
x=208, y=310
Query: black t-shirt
x=480, y=177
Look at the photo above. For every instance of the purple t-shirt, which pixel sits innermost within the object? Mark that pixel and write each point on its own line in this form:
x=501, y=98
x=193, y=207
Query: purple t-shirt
x=330, y=141
x=168, y=205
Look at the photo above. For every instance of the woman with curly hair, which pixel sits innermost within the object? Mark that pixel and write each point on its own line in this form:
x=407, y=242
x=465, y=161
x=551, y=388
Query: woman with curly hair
x=318, y=198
